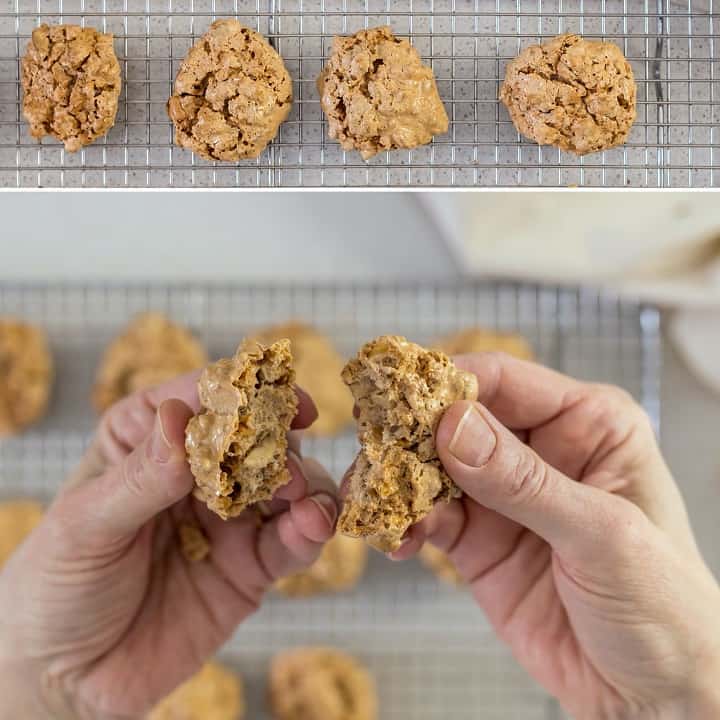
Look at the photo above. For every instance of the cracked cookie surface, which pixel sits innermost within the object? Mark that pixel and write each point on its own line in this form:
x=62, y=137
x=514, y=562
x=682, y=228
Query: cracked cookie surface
x=377, y=95
x=317, y=367
x=230, y=95
x=318, y=683
x=150, y=351
x=237, y=444
x=71, y=84
x=576, y=94
x=214, y=693
x=401, y=391
x=475, y=339
x=339, y=567
x=26, y=374
x=18, y=518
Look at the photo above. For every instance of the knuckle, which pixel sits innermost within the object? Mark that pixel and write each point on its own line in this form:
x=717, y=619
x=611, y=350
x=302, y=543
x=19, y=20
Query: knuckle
x=527, y=478
x=627, y=530
x=133, y=472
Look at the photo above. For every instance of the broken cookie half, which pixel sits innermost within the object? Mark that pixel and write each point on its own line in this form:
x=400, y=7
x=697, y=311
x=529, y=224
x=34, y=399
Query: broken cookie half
x=237, y=444
x=401, y=391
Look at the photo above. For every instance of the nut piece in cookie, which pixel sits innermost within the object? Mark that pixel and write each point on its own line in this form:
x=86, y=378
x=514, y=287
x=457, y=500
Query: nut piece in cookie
x=18, y=518
x=339, y=567
x=317, y=366
x=237, y=444
x=318, y=683
x=150, y=351
x=71, y=84
x=26, y=374
x=214, y=693
x=231, y=94
x=440, y=564
x=377, y=95
x=475, y=339
x=576, y=94
x=401, y=391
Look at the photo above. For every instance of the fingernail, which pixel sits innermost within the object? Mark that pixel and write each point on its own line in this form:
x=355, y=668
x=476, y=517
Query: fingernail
x=473, y=441
x=393, y=553
x=297, y=464
x=327, y=505
x=160, y=447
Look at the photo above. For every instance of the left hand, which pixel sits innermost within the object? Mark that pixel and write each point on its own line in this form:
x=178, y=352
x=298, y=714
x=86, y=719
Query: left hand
x=101, y=614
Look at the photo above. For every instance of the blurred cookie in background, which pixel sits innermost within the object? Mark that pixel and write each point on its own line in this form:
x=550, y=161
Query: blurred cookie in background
x=26, y=374
x=476, y=339
x=321, y=683
x=214, y=693
x=438, y=561
x=151, y=350
x=318, y=365
x=18, y=518
x=339, y=567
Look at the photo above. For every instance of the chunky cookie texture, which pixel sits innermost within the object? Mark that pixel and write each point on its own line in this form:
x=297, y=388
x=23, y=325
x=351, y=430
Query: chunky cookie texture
x=231, y=94
x=18, y=518
x=377, y=95
x=150, y=351
x=577, y=94
x=214, y=693
x=401, y=390
x=475, y=339
x=321, y=684
x=339, y=567
x=237, y=445
x=317, y=366
x=71, y=84
x=26, y=374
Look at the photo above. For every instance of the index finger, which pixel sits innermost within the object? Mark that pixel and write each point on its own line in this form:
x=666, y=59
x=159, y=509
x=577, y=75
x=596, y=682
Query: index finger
x=520, y=394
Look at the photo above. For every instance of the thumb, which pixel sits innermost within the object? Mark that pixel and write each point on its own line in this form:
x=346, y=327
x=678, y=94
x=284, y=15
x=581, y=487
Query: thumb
x=152, y=477
x=494, y=468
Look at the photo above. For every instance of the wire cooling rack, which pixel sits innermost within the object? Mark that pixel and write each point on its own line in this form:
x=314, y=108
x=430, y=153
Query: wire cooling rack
x=670, y=43
x=430, y=649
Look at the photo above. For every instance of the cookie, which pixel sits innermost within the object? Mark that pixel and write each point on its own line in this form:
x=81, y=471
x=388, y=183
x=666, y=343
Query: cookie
x=26, y=374
x=377, y=95
x=214, y=693
x=579, y=95
x=318, y=683
x=317, y=367
x=194, y=544
x=71, y=84
x=237, y=444
x=18, y=518
x=231, y=94
x=150, y=351
x=401, y=390
x=438, y=561
x=339, y=567
x=475, y=339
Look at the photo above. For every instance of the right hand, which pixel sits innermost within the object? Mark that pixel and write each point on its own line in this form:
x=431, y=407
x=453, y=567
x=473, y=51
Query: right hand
x=575, y=542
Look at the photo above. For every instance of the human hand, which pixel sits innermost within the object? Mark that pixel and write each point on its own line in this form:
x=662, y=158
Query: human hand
x=575, y=542
x=101, y=615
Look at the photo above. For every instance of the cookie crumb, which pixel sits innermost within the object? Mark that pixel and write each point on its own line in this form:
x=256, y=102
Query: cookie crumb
x=193, y=542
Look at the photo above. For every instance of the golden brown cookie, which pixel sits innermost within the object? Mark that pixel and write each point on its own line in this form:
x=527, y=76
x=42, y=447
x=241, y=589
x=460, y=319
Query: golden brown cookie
x=18, y=518
x=377, y=95
x=577, y=94
x=231, y=94
x=71, y=84
x=318, y=683
x=339, y=567
x=150, y=351
x=237, y=444
x=26, y=374
x=317, y=367
x=214, y=693
x=401, y=390
x=193, y=542
x=440, y=564
x=477, y=339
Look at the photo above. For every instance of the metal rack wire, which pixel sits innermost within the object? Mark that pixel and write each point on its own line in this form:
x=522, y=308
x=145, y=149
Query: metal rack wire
x=429, y=647
x=671, y=45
